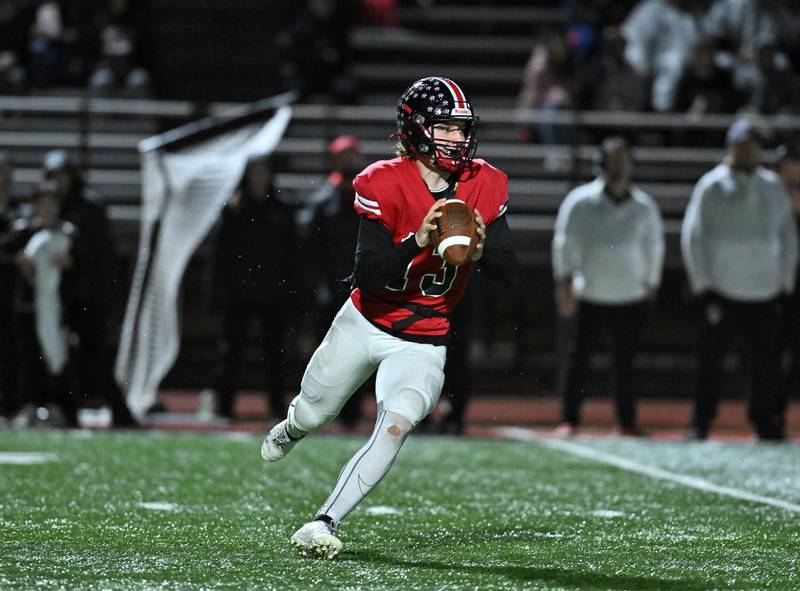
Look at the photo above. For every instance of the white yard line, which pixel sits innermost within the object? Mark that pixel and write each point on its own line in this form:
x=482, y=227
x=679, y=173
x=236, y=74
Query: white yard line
x=382, y=510
x=159, y=506
x=520, y=434
x=23, y=458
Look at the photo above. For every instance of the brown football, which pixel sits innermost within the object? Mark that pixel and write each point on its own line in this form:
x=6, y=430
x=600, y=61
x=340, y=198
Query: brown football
x=456, y=236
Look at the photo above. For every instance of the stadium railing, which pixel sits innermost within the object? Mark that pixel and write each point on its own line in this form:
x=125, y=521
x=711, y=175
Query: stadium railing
x=540, y=174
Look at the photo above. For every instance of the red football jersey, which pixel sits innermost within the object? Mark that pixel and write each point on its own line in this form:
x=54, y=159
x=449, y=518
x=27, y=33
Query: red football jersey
x=393, y=192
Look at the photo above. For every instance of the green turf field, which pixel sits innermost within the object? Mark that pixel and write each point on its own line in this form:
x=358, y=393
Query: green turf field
x=186, y=511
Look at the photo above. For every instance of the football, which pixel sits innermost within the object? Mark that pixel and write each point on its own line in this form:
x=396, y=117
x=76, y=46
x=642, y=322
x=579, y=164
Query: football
x=456, y=235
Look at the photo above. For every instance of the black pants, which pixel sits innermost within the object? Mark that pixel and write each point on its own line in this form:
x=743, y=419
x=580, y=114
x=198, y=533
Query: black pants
x=37, y=385
x=790, y=343
x=458, y=378
x=9, y=383
x=93, y=358
x=271, y=326
x=757, y=327
x=623, y=325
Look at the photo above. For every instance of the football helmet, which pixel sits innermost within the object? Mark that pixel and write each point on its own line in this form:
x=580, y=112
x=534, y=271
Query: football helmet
x=436, y=100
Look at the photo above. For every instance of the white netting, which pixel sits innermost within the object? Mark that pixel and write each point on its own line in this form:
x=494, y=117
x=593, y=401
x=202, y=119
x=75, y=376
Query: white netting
x=183, y=194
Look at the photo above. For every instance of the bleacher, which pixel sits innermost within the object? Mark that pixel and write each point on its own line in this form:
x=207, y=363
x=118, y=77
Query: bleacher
x=106, y=132
x=512, y=352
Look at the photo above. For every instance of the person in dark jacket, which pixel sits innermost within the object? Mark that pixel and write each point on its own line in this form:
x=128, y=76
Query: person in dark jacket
x=705, y=87
x=333, y=234
x=8, y=278
x=43, y=243
x=89, y=285
x=252, y=271
x=119, y=39
x=333, y=229
x=15, y=25
x=788, y=167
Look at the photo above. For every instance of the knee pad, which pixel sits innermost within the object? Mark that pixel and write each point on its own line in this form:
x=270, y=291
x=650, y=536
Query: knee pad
x=408, y=403
x=307, y=416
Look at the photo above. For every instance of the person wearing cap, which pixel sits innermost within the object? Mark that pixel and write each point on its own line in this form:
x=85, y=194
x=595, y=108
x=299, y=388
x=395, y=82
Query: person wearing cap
x=90, y=284
x=44, y=258
x=740, y=248
x=333, y=233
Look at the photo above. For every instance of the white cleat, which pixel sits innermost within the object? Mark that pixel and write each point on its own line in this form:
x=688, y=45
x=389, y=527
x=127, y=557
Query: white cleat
x=316, y=538
x=277, y=443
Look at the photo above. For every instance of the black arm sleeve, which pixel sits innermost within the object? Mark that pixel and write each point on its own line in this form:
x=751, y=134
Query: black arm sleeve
x=378, y=260
x=499, y=260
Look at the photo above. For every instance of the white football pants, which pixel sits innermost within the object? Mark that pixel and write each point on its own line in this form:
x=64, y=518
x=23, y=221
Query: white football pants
x=408, y=385
x=409, y=381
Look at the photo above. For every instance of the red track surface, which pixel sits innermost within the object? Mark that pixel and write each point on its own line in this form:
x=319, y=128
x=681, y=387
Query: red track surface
x=660, y=418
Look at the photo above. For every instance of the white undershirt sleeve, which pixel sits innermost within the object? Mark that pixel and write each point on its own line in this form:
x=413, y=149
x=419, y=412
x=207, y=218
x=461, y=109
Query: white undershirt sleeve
x=565, y=247
x=654, y=249
x=693, y=237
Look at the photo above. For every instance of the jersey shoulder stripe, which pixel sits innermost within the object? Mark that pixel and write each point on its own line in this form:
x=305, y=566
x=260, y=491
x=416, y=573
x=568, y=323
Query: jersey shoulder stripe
x=368, y=202
x=367, y=205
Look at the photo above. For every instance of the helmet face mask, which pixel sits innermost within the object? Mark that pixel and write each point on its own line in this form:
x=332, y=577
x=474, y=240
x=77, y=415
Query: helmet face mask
x=432, y=101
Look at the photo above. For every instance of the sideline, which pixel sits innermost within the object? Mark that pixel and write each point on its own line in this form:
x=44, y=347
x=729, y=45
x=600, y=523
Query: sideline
x=520, y=434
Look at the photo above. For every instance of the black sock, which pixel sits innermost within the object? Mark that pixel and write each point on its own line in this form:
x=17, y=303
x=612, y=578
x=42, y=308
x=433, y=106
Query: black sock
x=327, y=519
x=289, y=434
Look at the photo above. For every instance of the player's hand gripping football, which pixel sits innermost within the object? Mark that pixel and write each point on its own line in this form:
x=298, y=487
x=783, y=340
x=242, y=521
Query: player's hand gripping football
x=476, y=256
x=423, y=235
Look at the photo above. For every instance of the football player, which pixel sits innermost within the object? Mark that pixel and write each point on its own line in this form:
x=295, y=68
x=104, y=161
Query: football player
x=396, y=321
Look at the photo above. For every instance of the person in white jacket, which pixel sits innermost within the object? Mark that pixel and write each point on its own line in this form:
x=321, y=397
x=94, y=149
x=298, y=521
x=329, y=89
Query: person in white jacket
x=608, y=254
x=739, y=244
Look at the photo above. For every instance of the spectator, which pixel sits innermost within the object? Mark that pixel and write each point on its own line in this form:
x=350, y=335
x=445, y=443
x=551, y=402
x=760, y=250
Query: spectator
x=8, y=276
x=705, y=87
x=333, y=234
x=749, y=34
x=45, y=257
x=739, y=244
x=121, y=45
x=661, y=35
x=611, y=84
x=588, y=22
x=608, y=252
x=89, y=285
x=52, y=56
x=334, y=226
x=315, y=47
x=740, y=26
x=379, y=13
x=789, y=18
x=252, y=270
x=773, y=86
x=14, y=26
x=788, y=167
x=548, y=84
